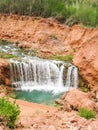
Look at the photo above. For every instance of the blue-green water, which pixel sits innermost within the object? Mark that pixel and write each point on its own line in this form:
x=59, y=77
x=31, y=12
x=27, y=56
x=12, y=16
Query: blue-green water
x=42, y=97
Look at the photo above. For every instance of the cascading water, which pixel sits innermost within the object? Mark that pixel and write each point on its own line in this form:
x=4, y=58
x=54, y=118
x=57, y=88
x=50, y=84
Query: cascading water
x=38, y=80
x=46, y=75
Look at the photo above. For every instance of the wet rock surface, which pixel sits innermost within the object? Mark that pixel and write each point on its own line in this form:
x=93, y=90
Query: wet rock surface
x=4, y=72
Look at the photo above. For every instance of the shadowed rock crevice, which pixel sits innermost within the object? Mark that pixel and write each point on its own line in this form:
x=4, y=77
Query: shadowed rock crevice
x=4, y=72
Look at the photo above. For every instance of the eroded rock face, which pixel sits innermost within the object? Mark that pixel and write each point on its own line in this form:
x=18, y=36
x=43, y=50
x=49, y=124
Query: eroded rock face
x=85, y=44
x=4, y=72
x=76, y=99
x=44, y=35
x=87, y=61
x=48, y=37
x=24, y=44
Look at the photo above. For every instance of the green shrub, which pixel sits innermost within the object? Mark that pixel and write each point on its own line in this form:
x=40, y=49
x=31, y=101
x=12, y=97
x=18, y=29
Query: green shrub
x=69, y=57
x=9, y=112
x=6, y=56
x=84, y=89
x=62, y=58
x=86, y=113
x=85, y=12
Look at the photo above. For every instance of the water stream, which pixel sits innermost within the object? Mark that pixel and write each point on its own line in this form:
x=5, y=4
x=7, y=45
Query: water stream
x=39, y=80
x=39, y=74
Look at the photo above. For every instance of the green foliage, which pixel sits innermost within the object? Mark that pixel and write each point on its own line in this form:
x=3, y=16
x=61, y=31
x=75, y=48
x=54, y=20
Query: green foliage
x=9, y=111
x=84, y=12
x=84, y=89
x=69, y=11
x=43, y=8
x=6, y=56
x=58, y=106
x=69, y=58
x=86, y=113
x=62, y=58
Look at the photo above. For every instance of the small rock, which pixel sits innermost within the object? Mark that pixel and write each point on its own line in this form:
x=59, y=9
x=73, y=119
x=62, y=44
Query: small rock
x=35, y=125
x=51, y=128
x=97, y=96
x=24, y=44
x=59, y=101
x=7, y=81
x=67, y=107
x=96, y=107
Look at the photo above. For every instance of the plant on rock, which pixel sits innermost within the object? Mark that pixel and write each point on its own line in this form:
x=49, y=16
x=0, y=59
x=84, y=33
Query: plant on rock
x=9, y=112
x=86, y=113
x=62, y=58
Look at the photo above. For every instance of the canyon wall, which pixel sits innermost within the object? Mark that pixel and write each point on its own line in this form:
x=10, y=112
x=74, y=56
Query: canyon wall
x=48, y=37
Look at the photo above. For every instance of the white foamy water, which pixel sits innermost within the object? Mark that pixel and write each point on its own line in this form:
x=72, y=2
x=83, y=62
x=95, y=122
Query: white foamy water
x=38, y=74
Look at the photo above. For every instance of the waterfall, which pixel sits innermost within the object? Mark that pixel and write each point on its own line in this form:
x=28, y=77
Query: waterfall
x=75, y=76
x=68, y=79
x=39, y=74
x=60, y=79
x=72, y=77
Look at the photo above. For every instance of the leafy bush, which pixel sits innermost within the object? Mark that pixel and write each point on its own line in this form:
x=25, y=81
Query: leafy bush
x=86, y=113
x=68, y=11
x=84, y=89
x=9, y=112
x=85, y=12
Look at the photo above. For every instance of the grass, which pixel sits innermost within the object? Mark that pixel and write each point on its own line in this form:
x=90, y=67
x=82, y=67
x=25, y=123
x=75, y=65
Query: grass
x=86, y=113
x=62, y=58
x=6, y=56
x=84, y=89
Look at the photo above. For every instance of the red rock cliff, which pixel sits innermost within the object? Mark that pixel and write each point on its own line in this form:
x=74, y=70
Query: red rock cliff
x=48, y=37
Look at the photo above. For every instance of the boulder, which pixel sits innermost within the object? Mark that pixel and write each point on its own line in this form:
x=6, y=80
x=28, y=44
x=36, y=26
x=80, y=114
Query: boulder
x=75, y=99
